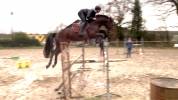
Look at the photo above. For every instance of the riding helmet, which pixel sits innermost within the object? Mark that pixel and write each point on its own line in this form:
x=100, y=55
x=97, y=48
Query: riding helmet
x=97, y=8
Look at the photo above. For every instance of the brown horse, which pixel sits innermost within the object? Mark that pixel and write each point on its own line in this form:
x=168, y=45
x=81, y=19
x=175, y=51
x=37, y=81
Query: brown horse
x=94, y=29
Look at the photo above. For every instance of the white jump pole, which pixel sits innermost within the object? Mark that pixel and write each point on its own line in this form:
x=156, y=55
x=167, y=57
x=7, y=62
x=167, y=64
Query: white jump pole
x=66, y=74
x=106, y=61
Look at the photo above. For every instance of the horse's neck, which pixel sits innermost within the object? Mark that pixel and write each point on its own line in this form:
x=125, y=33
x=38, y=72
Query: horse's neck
x=94, y=23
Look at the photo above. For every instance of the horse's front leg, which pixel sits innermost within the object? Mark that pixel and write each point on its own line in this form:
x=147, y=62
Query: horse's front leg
x=101, y=45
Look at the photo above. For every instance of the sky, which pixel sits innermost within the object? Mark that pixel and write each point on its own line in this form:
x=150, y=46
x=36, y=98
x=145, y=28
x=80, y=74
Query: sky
x=42, y=16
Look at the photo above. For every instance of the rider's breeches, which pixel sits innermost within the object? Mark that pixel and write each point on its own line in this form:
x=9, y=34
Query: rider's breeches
x=83, y=23
x=82, y=16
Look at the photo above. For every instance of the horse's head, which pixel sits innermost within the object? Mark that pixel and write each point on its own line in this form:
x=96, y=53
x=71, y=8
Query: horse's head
x=105, y=20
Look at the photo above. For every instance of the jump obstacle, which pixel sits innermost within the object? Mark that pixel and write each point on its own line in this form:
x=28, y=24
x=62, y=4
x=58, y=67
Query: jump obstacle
x=66, y=73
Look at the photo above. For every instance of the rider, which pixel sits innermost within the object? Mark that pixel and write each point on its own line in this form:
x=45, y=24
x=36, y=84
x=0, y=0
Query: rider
x=85, y=16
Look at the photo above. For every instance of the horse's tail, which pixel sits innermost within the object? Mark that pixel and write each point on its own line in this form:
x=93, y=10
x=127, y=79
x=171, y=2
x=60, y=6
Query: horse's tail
x=48, y=45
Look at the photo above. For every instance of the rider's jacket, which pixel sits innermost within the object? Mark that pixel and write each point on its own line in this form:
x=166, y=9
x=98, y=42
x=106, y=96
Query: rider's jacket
x=88, y=13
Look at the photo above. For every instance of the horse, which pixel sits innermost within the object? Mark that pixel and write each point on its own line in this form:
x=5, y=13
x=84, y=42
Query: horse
x=95, y=29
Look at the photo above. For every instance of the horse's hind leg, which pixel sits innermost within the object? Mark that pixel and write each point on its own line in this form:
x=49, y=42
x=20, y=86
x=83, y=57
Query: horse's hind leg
x=55, y=59
x=50, y=61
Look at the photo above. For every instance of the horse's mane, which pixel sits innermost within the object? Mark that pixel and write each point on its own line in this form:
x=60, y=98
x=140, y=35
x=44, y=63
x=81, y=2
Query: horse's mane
x=101, y=18
x=76, y=21
x=104, y=16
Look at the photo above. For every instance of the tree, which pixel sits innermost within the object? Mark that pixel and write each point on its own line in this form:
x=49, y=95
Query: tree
x=117, y=9
x=21, y=39
x=172, y=5
x=136, y=26
x=165, y=8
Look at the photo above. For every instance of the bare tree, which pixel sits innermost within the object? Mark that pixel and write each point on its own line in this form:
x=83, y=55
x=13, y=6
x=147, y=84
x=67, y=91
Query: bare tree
x=171, y=5
x=165, y=8
x=118, y=9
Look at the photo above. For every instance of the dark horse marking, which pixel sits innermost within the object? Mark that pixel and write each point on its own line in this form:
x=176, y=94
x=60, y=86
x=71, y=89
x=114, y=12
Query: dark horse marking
x=93, y=30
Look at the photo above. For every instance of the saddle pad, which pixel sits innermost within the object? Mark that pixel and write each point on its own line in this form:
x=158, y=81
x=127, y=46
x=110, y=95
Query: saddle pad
x=76, y=27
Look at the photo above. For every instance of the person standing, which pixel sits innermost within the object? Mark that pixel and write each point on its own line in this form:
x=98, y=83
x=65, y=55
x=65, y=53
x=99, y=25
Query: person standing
x=129, y=45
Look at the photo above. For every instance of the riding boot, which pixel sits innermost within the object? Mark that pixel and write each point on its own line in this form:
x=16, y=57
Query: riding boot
x=82, y=29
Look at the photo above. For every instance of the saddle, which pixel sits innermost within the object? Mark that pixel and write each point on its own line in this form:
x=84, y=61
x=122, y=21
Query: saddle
x=76, y=26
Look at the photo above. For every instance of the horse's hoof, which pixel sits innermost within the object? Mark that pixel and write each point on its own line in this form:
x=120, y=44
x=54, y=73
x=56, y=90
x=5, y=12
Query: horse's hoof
x=53, y=66
x=59, y=92
x=56, y=89
x=47, y=67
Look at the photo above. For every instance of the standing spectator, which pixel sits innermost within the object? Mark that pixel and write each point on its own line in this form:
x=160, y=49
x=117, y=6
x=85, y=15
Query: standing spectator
x=129, y=45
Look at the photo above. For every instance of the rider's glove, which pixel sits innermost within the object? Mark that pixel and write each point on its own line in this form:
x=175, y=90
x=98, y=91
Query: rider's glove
x=87, y=19
x=94, y=18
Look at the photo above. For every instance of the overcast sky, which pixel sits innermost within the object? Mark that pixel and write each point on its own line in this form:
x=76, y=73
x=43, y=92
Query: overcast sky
x=42, y=16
